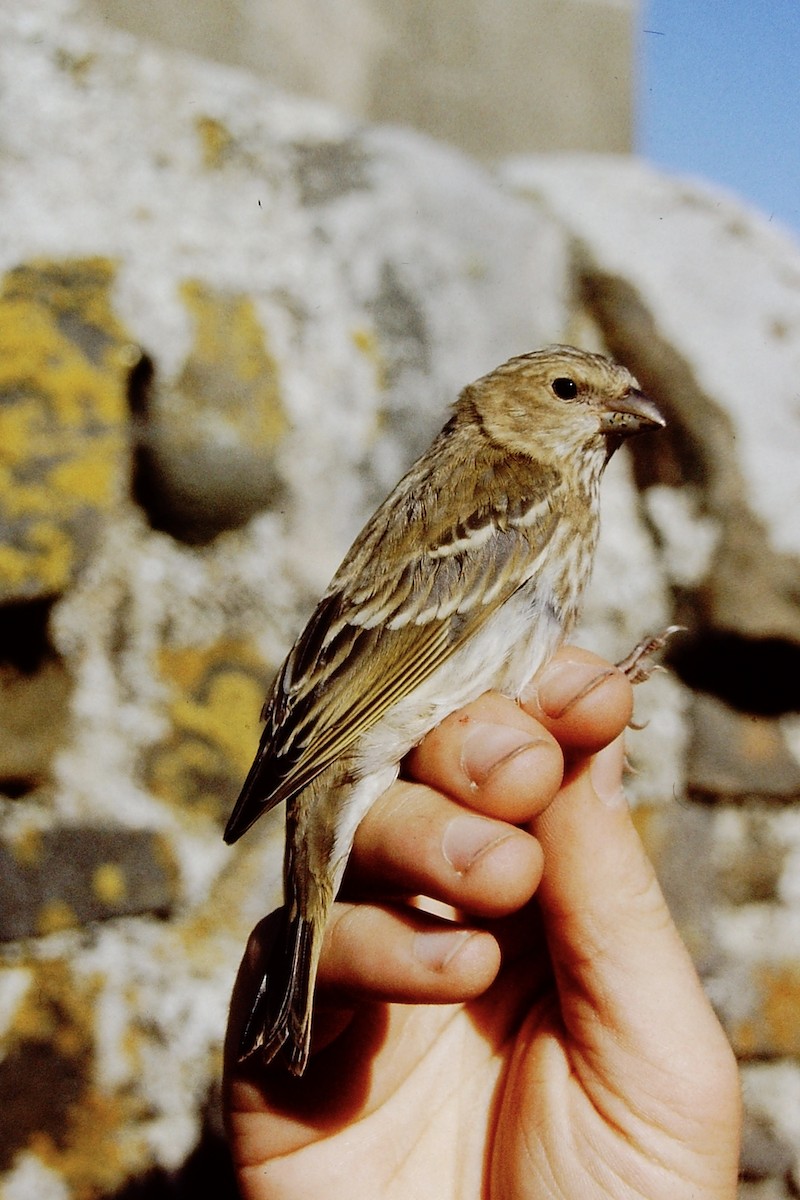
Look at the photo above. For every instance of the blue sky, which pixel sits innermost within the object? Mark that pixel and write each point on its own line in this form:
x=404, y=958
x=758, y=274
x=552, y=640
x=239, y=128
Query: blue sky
x=719, y=96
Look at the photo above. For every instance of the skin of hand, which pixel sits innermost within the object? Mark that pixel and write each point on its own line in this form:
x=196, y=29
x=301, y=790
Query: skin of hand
x=551, y=1039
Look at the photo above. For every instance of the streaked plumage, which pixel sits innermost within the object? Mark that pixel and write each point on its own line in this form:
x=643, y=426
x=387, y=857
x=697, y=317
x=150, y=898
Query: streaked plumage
x=467, y=577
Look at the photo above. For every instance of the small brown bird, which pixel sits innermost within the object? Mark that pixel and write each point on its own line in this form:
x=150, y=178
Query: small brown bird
x=467, y=578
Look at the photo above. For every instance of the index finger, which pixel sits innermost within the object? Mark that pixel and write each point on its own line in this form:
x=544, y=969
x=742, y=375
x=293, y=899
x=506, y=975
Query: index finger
x=582, y=699
x=505, y=758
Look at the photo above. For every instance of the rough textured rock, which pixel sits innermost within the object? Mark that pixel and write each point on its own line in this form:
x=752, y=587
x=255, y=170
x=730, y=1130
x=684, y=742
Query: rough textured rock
x=266, y=309
x=449, y=72
x=249, y=315
x=734, y=754
x=772, y=1096
x=28, y=740
x=64, y=449
x=346, y=259
x=702, y=299
x=66, y=877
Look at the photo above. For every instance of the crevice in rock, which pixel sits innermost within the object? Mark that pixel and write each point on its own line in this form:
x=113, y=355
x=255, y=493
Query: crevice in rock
x=34, y=695
x=195, y=497
x=24, y=634
x=698, y=443
x=754, y=675
x=140, y=381
x=191, y=488
x=15, y=787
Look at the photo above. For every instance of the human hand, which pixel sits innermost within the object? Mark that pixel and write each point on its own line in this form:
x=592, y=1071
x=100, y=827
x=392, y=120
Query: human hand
x=552, y=1039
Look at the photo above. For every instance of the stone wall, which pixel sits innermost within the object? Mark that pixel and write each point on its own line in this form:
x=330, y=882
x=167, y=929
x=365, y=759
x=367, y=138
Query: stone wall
x=228, y=320
x=527, y=75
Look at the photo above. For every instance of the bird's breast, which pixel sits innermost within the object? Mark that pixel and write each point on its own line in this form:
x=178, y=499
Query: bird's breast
x=502, y=655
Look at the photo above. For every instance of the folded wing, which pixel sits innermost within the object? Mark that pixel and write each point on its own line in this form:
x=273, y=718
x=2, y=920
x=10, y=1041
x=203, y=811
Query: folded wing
x=373, y=638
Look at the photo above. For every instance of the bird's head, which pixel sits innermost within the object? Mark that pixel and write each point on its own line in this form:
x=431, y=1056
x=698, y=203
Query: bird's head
x=561, y=402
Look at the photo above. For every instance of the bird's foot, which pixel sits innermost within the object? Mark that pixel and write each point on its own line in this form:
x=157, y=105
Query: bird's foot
x=639, y=665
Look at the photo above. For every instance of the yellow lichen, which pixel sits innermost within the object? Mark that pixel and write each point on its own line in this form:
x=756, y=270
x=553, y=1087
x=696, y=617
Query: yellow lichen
x=47, y=560
x=89, y=480
x=215, y=698
x=366, y=341
x=55, y=916
x=780, y=986
x=109, y=883
x=224, y=716
x=27, y=849
x=97, y=1160
x=216, y=141
x=52, y=1003
x=230, y=374
x=80, y=1129
x=64, y=364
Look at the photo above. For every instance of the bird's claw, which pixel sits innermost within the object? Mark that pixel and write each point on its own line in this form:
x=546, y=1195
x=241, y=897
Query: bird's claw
x=638, y=665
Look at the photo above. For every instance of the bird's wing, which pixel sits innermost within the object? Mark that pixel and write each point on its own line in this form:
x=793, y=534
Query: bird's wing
x=372, y=640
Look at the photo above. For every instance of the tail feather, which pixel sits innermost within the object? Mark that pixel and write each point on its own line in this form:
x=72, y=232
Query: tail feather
x=280, y=1016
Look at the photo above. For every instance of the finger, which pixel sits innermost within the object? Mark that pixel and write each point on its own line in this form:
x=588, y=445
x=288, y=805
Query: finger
x=415, y=841
x=584, y=701
x=376, y=953
x=492, y=756
x=631, y=1001
x=405, y=956
x=370, y=956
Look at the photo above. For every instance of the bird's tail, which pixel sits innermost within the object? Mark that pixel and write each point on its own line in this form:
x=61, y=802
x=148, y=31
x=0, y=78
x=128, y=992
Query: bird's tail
x=280, y=1015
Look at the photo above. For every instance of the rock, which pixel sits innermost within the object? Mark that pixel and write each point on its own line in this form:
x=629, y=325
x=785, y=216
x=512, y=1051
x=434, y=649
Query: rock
x=764, y=1153
x=216, y=692
x=755, y=978
x=733, y=755
x=34, y=698
x=763, y=1189
x=771, y=1093
x=753, y=848
x=679, y=838
x=64, y=453
x=627, y=600
x=701, y=299
x=294, y=300
x=63, y=878
x=347, y=257
x=305, y=297
x=207, y=445
x=45, y=1080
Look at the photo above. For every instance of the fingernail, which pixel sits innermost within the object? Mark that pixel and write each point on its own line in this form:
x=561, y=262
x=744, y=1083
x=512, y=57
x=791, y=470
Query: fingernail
x=563, y=683
x=605, y=773
x=466, y=838
x=436, y=948
x=487, y=746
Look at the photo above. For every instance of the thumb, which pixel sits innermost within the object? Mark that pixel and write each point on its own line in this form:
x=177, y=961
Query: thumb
x=628, y=991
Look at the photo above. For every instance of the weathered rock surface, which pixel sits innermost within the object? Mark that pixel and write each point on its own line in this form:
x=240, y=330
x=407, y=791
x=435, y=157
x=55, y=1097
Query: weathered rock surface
x=236, y=318
x=64, y=445
x=231, y=319
x=702, y=299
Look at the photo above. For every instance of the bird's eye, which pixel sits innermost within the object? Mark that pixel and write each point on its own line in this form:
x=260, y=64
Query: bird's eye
x=565, y=388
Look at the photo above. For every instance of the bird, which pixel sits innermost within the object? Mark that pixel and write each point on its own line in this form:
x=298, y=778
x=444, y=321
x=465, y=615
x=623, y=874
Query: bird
x=467, y=578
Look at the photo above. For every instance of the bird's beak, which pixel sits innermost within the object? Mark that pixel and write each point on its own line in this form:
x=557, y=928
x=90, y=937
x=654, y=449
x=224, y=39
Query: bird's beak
x=632, y=413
